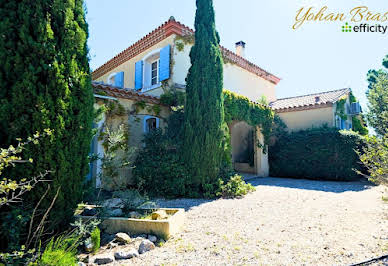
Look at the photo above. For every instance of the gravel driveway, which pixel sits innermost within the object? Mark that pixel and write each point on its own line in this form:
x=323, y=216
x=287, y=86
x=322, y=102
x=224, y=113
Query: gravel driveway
x=285, y=222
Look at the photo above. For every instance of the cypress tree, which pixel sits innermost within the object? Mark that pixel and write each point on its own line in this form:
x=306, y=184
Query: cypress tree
x=45, y=83
x=204, y=112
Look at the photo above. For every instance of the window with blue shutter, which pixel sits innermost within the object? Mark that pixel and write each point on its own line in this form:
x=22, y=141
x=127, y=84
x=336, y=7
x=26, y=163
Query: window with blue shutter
x=139, y=75
x=164, y=63
x=119, y=80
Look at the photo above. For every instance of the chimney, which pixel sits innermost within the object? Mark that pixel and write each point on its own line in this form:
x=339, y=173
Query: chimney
x=240, y=48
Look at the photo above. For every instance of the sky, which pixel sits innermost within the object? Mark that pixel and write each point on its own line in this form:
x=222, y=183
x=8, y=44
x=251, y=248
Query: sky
x=316, y=57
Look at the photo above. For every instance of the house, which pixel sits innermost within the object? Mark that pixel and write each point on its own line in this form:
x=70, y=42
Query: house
x=332, y=108
x=137, y=77
x=160, y=61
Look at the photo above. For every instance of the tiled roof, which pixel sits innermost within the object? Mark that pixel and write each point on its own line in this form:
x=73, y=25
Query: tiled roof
x=309, y=101
x=124, y=93
x=165, y=30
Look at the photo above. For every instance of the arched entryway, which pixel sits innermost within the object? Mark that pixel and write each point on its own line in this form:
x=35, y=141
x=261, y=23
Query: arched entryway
x=247, y=155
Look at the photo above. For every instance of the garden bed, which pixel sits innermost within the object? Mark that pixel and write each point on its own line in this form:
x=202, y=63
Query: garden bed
x=163, y=227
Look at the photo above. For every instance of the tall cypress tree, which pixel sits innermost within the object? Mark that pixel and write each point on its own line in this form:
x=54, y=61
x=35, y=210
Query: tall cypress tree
x=45, y=83
x=204, y=112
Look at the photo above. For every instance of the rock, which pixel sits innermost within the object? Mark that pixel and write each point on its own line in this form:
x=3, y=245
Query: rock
x=103, y=259
x=112, y=245
x=134, y=215
x=89, y=212
x=159, y=215
x=124, y=255
x=115, y=213
x=152, y=238
x=113, y=203
x=123, y=238
x=146, y=246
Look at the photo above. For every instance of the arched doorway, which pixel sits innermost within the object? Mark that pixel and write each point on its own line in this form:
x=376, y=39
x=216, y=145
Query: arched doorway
x=243, y=152
x=247, y=155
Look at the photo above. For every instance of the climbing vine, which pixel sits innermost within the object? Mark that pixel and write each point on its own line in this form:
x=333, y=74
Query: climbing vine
x=340, y=109
x=240, y=108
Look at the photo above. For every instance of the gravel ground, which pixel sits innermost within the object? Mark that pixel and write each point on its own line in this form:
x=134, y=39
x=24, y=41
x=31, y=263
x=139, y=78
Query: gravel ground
x=285, y=222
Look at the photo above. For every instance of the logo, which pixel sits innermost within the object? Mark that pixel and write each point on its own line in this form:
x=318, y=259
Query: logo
x=364, y=27
x=362, y=18
x=346, y=28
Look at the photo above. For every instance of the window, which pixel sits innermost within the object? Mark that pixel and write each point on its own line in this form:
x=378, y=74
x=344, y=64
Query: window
x=150, y=123
x=154, y=73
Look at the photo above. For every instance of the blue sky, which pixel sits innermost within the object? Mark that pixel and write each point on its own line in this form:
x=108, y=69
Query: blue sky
x=316, y=57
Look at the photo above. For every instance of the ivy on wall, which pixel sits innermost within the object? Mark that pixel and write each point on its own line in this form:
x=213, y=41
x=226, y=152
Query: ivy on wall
x=357, y=121
x=240, y=108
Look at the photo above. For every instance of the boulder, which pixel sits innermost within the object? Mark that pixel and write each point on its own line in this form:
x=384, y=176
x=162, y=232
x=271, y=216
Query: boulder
x=115, y=213
x=103, y=259
x=123, y=238
x=159, y=215
x=146, y=246
x=152, y=238
x=125, y=255
x=113, y=203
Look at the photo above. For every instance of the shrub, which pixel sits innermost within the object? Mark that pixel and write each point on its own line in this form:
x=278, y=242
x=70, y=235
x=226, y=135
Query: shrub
x=235, y=187
x=320, y=153
x=158, y=168
x=375, y=158
x=61, y=251
x=95, y=237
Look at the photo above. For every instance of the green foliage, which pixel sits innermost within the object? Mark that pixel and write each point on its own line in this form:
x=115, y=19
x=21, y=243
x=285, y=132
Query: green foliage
x=45, y=83
x=203, y=145
x=59, y=251
x=375, y=158
x=340, y=109
x=378, y=104
x=359, y=125
x=173, y=98
x=95, y=237
x=240, y=108
x=117, y=155
x=235, y=187
x=159, y=169
x=320, y=153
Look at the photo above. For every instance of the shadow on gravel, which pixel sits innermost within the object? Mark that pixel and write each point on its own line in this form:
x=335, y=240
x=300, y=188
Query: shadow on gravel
x=326, y=186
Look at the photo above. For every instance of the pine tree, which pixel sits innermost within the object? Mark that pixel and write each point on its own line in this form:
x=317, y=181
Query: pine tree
x=204, y=112
x=45, y=83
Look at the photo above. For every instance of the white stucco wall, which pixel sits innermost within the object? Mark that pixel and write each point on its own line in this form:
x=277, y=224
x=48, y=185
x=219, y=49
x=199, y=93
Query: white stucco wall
x=236, y=79
x=298, y=120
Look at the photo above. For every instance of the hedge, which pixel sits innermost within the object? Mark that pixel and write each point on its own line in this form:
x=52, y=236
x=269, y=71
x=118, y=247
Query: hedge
x=321, y=153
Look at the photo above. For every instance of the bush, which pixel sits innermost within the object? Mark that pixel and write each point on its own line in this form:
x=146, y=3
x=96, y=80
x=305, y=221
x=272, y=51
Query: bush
x=95, y=237
x=320, y=153
x=158, y=168
x=62, y=251
x=235, y=187
x=375, y=158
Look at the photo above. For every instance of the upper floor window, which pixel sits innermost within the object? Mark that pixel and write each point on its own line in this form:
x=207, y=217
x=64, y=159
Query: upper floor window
x=153, y=69
x=116, y=79
x=155, y=72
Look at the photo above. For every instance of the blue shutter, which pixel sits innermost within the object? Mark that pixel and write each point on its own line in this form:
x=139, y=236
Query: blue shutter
x=343, y=124
x=164, y=72
x=139, y=75
x=119, y=80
